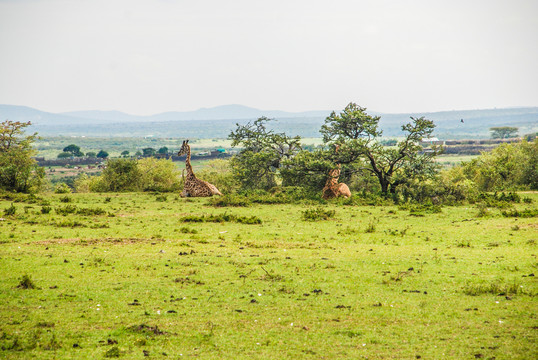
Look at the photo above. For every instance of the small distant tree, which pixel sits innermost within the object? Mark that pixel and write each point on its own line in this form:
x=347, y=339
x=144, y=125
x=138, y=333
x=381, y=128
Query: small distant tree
x=503, y=132
x=102, y=154
x=91, y=154
x=18, y=171
x=125, y=153
x=148, y=151
x=73, y=149
x=163, y=150
x=64, y=155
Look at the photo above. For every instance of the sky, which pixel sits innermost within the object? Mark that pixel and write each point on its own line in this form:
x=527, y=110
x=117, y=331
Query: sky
x=150, y=56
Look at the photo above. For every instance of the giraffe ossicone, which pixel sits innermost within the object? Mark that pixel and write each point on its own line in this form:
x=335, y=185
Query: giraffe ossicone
x=193, y=186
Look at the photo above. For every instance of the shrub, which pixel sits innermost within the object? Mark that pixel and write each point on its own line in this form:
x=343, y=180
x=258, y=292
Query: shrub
x=62, y=188
x=526, y=213
x=45, y=209
x=495, y=288
x=10, y=210
x=121, y=175
x=229, y=200
x=158, y=175
x=250, y=220
x=67, y=209
x=219, y=173
x=26, y=283
x=317, y=214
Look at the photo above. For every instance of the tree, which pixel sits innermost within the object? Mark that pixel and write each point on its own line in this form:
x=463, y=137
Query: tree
x=125, y=153
x=148, y=151
x=163, y=150
x=18, y=171
x=263, y=151
x=356, y=132
x=503, y=132
x=102, y=154
x=73, y=149
x=91, y=154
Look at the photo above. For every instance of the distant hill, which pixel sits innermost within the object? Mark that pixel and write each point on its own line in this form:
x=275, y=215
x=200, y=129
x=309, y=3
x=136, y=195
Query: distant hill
x=217, y=122
x=225, y=112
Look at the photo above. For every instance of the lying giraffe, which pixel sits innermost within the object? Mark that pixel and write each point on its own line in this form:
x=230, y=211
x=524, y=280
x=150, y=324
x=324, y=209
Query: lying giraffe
x=195, y=187
x=332, y=188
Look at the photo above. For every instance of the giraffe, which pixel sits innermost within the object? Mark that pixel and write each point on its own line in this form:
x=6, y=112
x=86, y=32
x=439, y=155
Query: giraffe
x=195, y=187
x=332, y=188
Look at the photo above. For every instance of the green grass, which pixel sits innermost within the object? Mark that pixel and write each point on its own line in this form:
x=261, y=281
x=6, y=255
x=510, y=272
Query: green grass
x=126, y=278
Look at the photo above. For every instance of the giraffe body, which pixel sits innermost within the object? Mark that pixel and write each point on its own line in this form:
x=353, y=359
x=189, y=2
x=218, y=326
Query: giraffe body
x=332, y=188
x=195, y=187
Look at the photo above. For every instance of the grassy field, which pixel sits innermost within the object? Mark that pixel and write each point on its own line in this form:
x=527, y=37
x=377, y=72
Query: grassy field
x=91, y=276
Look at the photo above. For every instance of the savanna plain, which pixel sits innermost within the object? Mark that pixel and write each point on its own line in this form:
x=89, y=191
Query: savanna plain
x=148, y=275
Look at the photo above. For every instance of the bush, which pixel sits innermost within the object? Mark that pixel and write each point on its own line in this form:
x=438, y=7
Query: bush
x=229, y=200
x=26, y=283
x=121, y=175
x=219, y=173
x=10, y=211
x=526, y=213
x=62, y=188
x=317, y=214
x=158, y=175
x=45, y=209
x=221, y=218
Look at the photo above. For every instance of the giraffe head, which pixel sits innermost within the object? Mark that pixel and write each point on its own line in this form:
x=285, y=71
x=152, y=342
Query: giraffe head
x=184, y=148
x=334, y=173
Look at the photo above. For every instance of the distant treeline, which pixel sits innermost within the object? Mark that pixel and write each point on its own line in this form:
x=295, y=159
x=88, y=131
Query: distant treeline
x=76, y=161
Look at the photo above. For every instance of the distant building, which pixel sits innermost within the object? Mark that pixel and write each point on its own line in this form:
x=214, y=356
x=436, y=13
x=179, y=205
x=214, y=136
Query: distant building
x=431, y=141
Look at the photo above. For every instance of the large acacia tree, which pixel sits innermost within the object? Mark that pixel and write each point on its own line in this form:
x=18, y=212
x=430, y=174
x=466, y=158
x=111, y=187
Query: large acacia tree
x=357, y=134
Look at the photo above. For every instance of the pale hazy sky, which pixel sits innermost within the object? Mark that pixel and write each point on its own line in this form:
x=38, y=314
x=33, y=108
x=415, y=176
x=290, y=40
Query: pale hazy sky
x=150, y=56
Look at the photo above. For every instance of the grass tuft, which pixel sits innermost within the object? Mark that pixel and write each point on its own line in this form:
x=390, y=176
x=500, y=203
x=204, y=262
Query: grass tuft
x=26, y=283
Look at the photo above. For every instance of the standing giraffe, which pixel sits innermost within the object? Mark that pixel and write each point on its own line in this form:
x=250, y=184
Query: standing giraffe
x=332, y=188
x=195, y=187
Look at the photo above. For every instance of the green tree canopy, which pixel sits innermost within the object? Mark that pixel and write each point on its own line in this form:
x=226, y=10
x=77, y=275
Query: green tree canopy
x=102, y=154
x=357, y=134
x=148, y=151
x=263, y=151
x=73, y=149
x=503, y=132
x=18, y=171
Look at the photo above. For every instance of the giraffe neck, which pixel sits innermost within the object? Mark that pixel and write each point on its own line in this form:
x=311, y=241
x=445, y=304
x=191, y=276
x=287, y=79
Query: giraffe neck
x=188, y=162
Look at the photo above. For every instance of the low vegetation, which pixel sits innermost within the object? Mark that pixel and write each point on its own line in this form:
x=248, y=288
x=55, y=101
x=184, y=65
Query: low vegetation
x=137, y=278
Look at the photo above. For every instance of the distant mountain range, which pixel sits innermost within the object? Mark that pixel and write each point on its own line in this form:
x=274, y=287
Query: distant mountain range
x=225, y=112
x=217, y=122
